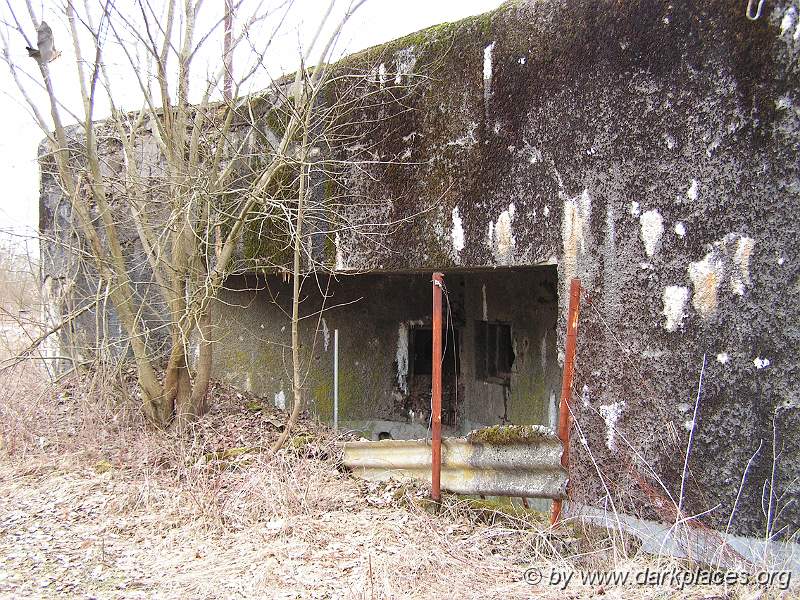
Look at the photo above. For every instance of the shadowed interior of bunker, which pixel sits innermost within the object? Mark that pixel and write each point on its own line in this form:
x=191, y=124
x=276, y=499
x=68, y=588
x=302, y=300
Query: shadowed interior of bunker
x=500, y=362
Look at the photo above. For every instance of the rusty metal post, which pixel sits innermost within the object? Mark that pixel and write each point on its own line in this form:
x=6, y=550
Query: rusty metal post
x=436, y=390
x=566, y=383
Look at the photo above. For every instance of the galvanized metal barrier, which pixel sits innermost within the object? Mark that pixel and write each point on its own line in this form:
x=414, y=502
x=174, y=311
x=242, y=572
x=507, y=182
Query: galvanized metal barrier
x=527, y=468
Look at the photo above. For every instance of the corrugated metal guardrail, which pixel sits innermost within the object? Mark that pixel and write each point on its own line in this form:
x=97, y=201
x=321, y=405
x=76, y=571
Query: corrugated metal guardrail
x=529, y=468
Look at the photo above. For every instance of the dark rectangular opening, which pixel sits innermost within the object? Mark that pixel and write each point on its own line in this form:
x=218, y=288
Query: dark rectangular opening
x=494, y=351
x=422, y=351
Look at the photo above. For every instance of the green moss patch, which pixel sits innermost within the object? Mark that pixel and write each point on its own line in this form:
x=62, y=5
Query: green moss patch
x=504, y=435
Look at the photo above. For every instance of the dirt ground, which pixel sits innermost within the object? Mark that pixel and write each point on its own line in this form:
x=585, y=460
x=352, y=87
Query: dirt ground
x=93, y=504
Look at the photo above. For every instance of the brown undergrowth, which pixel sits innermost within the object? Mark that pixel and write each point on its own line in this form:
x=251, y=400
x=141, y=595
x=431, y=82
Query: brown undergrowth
x=94, y=503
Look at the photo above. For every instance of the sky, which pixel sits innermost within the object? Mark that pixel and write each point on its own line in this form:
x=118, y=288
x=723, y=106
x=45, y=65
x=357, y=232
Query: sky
x=376, y=21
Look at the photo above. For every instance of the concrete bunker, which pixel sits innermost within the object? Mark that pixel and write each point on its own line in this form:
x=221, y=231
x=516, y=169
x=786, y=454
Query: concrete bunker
x=500, y=363
x=648, y=149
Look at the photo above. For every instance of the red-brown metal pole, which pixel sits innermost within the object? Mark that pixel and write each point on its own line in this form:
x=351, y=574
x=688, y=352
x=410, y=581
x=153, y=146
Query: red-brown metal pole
x=566, y=383
x=436, y=390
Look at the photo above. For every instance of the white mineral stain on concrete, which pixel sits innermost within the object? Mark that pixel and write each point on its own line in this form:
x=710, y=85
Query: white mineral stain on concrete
x=723, y=358
x=502, y=233
x=692, y=192
x=740, y=278
x=469, y=138
x=326, y=334
x=280, y=400
x=485, y=304
x=761, y=363
x=788, y=20
x=339, y=254
x=553, y=412
x=680, y=229
x=652, y=228
x=401, y=354
x=730, y=255
x=586, y=398
x=611, y=414
x=487, y=75
x=405, y=64
x=635, y=209
x=675, y=297
x=457, y=232
x=706, y=276
x=534, y=154
x=401, y=357
x=487, y=62
x=577, y=214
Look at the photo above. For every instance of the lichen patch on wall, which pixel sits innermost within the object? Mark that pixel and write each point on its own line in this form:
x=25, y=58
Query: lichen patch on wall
x=652, y=228
x=675, y=297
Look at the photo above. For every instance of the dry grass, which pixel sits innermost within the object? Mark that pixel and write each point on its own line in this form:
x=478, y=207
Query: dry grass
x=93, y=502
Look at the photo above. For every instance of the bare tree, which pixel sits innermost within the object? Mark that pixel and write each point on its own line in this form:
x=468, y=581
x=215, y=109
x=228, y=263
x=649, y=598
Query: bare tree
x=185, y=177
x=202, y=168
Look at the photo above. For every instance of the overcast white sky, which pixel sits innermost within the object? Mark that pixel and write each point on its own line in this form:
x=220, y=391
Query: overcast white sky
x=376, y=22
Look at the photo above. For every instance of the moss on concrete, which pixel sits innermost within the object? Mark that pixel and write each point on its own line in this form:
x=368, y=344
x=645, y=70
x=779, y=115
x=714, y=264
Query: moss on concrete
x=528, y=400
x=503, y=435
x=489, y=509
x=356, y=395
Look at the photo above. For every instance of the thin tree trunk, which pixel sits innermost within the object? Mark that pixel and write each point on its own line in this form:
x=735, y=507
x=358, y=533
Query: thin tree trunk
x=298, y=251
x=197, y=401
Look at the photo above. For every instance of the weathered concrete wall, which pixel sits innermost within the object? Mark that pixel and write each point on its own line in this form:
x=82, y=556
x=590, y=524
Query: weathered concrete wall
x=651, y=149
x=68, y=272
